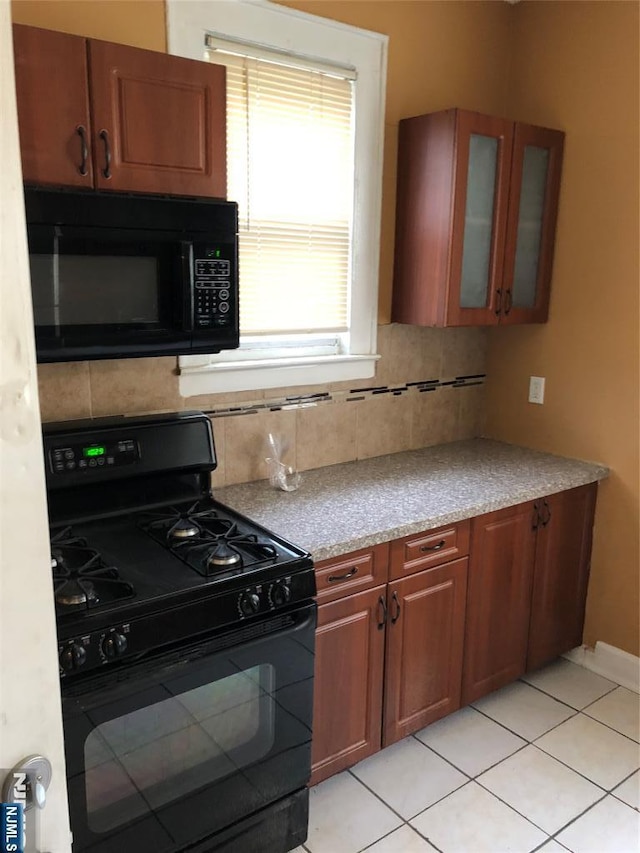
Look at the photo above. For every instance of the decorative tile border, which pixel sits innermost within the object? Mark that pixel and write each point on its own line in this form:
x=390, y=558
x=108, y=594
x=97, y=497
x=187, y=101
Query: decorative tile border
x=302, y=401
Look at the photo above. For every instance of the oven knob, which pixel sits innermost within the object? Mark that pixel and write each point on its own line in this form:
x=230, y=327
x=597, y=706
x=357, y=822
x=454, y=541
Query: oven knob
x=280, y=594
x=114, y=645
x=72, y=657
x=249, y=603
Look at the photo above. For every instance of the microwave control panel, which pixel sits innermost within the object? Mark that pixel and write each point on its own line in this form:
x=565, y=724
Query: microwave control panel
x=82, y=457
x=214, y=292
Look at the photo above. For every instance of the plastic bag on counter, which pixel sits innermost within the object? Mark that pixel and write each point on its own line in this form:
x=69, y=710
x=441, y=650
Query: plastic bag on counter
x=281, y=476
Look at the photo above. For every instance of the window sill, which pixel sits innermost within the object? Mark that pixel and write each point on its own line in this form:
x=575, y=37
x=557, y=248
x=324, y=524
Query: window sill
x=199, y=376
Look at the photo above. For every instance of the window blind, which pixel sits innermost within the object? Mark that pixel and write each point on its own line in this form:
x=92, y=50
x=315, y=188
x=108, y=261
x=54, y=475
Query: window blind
x=290, y=168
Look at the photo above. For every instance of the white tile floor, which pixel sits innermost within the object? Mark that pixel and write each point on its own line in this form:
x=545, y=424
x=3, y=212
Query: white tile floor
x=550, y=763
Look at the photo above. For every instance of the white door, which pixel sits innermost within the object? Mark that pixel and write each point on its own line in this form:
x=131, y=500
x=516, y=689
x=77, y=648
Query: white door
x=30, y=716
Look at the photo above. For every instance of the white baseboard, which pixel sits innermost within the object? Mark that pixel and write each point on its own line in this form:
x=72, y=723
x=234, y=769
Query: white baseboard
x=612, y=663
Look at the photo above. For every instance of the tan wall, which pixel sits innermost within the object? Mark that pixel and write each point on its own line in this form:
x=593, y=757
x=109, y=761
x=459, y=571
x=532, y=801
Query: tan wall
x=575, y=66
x=140, y=23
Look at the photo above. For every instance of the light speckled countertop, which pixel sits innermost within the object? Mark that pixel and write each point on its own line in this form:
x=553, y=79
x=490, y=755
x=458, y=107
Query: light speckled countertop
x=357, y=504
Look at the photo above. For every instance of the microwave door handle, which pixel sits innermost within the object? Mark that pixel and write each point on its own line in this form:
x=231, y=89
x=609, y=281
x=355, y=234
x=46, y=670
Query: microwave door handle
x=188, y=295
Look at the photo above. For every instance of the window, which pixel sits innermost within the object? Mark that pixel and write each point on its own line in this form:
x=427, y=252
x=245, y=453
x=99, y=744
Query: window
x=305, y=103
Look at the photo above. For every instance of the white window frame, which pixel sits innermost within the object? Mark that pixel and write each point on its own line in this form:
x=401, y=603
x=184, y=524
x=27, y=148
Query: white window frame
x=296, y=33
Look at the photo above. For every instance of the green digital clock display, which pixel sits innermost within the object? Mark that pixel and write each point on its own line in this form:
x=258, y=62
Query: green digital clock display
x=96, y=450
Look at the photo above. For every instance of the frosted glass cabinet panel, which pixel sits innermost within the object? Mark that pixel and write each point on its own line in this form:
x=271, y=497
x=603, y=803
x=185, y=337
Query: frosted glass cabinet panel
x=476, y=214
x=478, y=221
x=533, y=206
x=534, y=181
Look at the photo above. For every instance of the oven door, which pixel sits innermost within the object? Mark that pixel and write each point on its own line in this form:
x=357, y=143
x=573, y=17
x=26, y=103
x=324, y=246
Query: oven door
x=173, y=749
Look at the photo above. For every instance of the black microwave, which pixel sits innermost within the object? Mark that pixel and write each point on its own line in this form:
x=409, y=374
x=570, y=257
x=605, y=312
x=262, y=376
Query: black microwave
x=118, y=275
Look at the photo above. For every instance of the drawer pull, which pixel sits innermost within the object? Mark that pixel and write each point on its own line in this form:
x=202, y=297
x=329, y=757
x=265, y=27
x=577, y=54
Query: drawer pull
x=349, y=574
x=437, y=547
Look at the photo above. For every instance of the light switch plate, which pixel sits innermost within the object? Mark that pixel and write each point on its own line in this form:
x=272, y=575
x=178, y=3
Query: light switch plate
x=536, y=389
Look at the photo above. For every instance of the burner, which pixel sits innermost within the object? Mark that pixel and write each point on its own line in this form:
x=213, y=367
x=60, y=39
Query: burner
x=83, y=594
x=183, y=529
x=80, y=576
x=222, y=555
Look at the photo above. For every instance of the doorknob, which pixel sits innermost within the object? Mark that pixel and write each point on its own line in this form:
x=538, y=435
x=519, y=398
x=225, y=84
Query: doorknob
x=28, y=782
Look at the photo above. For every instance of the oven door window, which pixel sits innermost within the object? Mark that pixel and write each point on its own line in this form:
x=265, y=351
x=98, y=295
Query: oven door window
x=154, y=755
x=170, y=750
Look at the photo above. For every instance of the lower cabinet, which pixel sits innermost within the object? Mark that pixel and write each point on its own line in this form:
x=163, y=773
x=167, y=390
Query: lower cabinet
x=434, y=629
x=564, y=524
x=498, y=600
x=389, y=659
x=347, y=707
x=425, y=634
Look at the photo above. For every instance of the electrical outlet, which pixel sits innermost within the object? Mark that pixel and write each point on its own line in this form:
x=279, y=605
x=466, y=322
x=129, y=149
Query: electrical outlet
x=536, y=389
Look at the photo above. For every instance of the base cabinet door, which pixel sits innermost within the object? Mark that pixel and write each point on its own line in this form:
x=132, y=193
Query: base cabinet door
x=561, y=574
x=425, y=633
x=347, y=710
x=498, y=599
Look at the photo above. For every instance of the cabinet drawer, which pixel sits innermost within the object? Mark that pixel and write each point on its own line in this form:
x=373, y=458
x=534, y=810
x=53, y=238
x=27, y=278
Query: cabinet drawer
x=414, y=553
x=351, y=573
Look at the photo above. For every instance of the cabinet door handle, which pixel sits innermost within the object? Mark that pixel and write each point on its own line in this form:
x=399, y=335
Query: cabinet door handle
x=382, y=607
x=536, y=517
x=547, y=517
x=498, y=307
x=437, y=547
x=508, y=301
x=396, y=616
x=84, y=150
x=104, y=136
x=346, y=576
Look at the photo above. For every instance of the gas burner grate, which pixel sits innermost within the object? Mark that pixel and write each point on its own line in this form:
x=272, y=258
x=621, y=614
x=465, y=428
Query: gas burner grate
x=173, y=525
x=206, y=541
x=81, y=578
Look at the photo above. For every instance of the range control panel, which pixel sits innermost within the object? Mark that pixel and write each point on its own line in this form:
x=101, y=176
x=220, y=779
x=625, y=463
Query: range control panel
x=78, y=457
x=214, y=286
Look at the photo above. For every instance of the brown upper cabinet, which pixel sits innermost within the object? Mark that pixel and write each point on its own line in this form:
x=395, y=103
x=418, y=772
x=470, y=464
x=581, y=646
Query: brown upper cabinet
x=475, y=223
x=113, y=117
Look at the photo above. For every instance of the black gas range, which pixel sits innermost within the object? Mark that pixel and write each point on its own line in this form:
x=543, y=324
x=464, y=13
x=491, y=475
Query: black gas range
x=186, y=642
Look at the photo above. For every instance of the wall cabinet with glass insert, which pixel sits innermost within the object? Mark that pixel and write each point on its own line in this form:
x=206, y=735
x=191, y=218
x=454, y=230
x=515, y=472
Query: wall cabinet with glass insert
x=475, y=223
x=114, y=117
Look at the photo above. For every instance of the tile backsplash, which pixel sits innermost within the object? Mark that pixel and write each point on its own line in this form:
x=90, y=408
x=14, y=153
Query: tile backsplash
x=428, y=389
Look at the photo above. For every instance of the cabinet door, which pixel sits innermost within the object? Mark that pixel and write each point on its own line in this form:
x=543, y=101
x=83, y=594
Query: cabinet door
x=451, y=216
x=533, y=209
x=563, y=551
x=53, y=106
x=498, y=599
x=425, y=632
x=347, y=705
x=158, y=122
x=483, y=160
